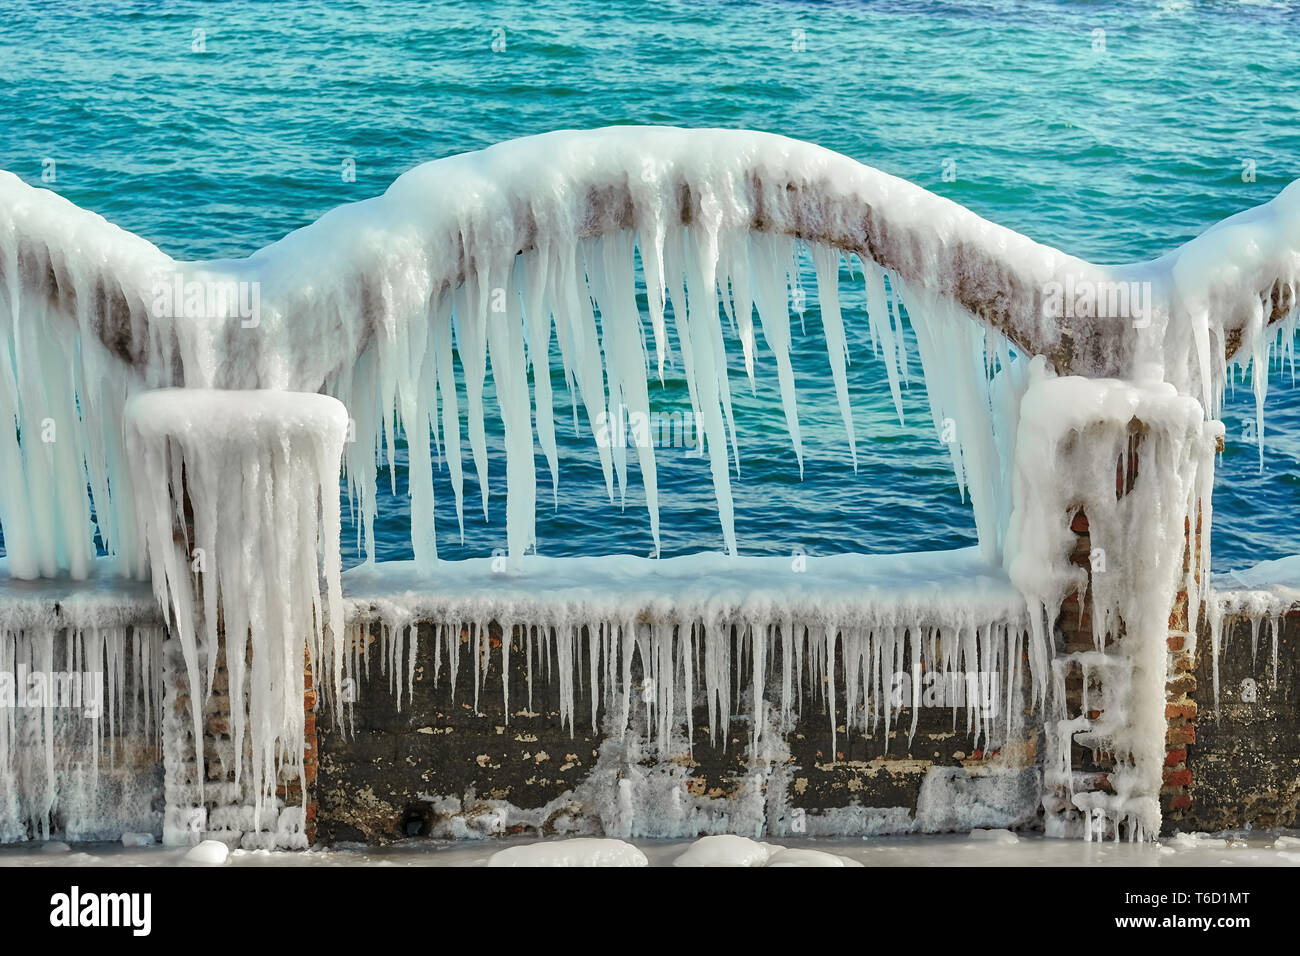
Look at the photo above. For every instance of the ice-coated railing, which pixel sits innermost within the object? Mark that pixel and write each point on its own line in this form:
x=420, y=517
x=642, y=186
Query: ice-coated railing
x=508, y=259
x=375, y=302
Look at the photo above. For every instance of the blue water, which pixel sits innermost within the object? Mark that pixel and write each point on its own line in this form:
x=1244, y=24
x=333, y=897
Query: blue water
x=1113, y=154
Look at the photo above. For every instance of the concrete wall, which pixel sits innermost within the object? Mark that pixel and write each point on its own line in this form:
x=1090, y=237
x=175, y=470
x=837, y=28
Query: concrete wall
x=441, y=768
x=1243, y=755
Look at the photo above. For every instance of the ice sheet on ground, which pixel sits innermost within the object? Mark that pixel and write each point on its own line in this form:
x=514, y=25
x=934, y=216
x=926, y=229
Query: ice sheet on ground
x=1260, y=848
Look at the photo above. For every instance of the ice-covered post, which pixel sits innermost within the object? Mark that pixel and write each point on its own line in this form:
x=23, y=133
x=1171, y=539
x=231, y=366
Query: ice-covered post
x=1075, y=453
x=250, y=478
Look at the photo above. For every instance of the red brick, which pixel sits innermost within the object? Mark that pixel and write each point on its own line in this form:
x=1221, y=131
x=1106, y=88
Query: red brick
x=1180, y=802
x=1080, y=523
x=1186, y=711
x=1175, y=757
x=1184, y=683
x=1180, y=736
x=1178, y=778
x=1176, y=642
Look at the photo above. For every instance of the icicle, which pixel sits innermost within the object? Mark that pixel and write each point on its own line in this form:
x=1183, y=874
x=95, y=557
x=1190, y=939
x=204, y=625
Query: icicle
x=827, y=263
x=261, y=471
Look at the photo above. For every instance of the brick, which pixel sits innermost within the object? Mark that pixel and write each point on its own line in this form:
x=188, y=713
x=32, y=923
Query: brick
x=1176, y=642
x=1178, y=778
x=1183, y=684
x=1076, y=641
x=1180, y=802
x=1185, y=711
x=1175, y=757
x=1079, y=525
x=1180, y=736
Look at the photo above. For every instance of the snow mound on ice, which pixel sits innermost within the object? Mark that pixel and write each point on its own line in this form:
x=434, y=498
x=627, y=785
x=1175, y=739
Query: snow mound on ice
x=804, y=857
x=1195, y=841
x=726, y=850
x=208, y=853
x=587, y=851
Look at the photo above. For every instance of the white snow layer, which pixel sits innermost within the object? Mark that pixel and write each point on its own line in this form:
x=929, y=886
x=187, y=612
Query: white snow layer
x=255, y=474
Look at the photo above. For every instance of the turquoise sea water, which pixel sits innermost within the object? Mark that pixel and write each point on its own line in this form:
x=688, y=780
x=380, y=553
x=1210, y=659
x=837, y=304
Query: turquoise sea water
x=1113, y=145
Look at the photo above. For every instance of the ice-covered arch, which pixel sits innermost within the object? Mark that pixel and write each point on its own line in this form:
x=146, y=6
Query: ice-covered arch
x=485, y=256
x=493, y=259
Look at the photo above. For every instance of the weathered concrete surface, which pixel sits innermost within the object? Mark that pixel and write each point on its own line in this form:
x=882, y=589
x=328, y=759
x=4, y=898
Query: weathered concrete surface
x=371, y=780
x=108, y=776
x=439, y=767
x=1244, y=762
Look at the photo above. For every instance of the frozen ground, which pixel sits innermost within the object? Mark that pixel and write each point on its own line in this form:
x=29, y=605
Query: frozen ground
x=983, y=848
